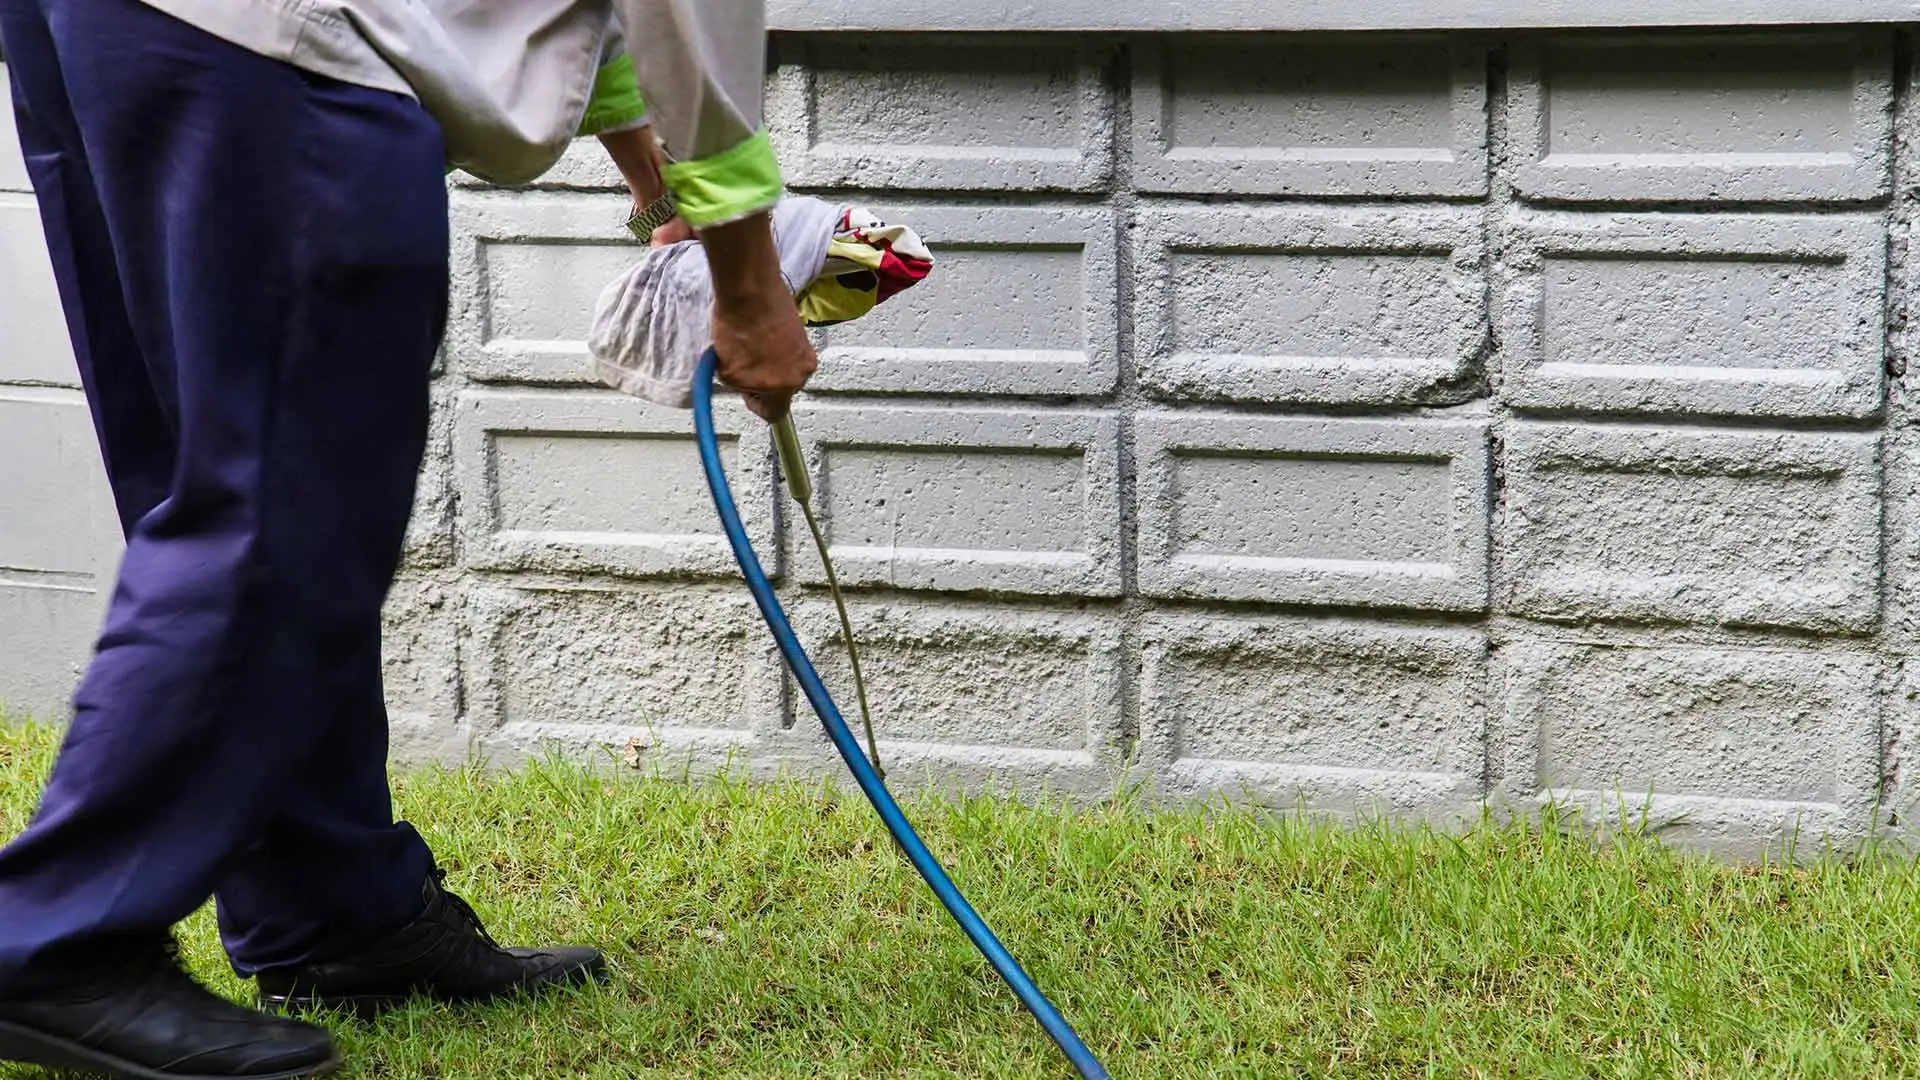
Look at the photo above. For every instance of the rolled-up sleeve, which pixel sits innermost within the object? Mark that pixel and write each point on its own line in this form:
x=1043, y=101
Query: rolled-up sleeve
x=701, y=66
x=616, y=104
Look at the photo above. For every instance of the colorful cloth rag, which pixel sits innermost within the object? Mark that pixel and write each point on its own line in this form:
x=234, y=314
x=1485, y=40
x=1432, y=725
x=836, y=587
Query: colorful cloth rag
x=868, y=261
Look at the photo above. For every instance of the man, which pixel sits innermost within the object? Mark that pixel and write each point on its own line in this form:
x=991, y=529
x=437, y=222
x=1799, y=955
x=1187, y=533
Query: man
x=246, y=208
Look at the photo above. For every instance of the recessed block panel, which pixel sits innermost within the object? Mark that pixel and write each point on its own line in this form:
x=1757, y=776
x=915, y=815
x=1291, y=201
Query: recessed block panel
x=1310, y=511
x=1723, y=117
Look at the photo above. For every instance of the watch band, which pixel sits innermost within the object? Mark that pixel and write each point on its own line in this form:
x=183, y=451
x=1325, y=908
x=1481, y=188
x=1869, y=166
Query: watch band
x=645, y=219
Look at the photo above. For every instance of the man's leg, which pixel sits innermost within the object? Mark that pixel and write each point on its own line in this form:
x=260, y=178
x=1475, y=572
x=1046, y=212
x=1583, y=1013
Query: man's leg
x=332, y=902
x=281, y=248
x=333, y=872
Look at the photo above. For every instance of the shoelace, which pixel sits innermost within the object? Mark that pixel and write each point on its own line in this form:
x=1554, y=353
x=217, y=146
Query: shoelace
x=464, y=909
x=158, y=965
x=160, y=962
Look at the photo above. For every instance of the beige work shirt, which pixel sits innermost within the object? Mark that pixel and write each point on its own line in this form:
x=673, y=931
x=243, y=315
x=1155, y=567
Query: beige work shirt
x=509, y=80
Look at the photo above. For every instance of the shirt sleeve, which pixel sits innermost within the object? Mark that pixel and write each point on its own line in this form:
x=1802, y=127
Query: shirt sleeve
x=702, y=66
x=616, y=104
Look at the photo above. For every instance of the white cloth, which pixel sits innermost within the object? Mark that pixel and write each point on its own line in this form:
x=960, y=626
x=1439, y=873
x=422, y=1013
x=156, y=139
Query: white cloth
x=651, y=324
x=509, y=80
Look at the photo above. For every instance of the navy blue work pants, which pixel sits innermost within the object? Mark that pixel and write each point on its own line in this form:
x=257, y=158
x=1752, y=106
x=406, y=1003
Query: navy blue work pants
x=253, y=266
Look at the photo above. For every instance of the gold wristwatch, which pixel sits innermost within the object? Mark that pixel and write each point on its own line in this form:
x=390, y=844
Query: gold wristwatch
x=645, y=219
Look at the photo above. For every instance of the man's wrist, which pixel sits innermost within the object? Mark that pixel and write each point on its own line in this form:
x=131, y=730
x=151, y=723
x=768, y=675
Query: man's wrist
x=745, y=264
x=645, y=219
x=637, y=155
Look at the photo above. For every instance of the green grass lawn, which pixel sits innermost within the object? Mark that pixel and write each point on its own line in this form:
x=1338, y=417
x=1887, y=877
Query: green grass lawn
x=772, y=931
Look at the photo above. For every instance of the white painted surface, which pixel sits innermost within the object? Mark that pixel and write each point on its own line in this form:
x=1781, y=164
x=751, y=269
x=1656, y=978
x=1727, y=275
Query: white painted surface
x=1184, y=15
x=1305, y=419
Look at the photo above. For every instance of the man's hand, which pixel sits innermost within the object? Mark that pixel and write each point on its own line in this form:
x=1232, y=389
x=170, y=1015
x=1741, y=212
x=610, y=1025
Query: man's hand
x=764, y=351
x=637, y=155
x=671, y=233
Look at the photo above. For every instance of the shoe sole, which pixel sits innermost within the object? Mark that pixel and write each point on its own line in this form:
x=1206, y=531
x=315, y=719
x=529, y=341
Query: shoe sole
x=370, y=1006
x=39, y=1048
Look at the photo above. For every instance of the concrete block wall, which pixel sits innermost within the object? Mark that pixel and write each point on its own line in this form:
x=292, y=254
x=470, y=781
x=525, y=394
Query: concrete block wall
x=1375, y=423
x=1369, y=422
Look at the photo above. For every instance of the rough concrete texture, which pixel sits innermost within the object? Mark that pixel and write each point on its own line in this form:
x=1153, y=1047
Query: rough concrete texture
x=598, y=483
x=421, y=646
x=1376, y=513
x=932, y=113
x=1734, y=314
x=59, y=542
x=679, y=673
x=1721, y=747
x=1720, y=118
x=969, y=696
x=1733, y=527
x=1338, y=716
x=431, y=543
x=13, y=169
x=526, y=273
x=1899, y=819
x=1357, y=117
x=38, y=353
x=1025, y=304
x=969, y=500
x=1233, y=15
x=1373, y=423
x=1343, y=306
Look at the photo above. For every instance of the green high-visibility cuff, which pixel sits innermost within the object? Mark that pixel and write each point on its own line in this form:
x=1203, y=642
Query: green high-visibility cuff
x=616, y=99
x=727, y=186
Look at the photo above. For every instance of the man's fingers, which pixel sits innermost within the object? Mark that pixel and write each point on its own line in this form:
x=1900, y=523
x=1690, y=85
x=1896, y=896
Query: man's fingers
x=671, y=233
x=769, y=407
x=784, y=378
x=759, y=381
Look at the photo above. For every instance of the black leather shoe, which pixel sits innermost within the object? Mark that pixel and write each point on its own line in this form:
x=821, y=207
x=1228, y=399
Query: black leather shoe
x=146, y=1019
x=445, y=954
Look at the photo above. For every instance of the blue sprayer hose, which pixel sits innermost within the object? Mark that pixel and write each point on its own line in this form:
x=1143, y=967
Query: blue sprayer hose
x=863, y=773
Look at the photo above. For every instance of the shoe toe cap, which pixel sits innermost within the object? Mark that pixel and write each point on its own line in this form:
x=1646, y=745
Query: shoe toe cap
x=287, y=1048
x=564, y=964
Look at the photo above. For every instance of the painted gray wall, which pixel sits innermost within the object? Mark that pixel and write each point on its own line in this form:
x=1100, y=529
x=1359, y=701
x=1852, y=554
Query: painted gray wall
x=1380, y=421
x=1185, y=15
